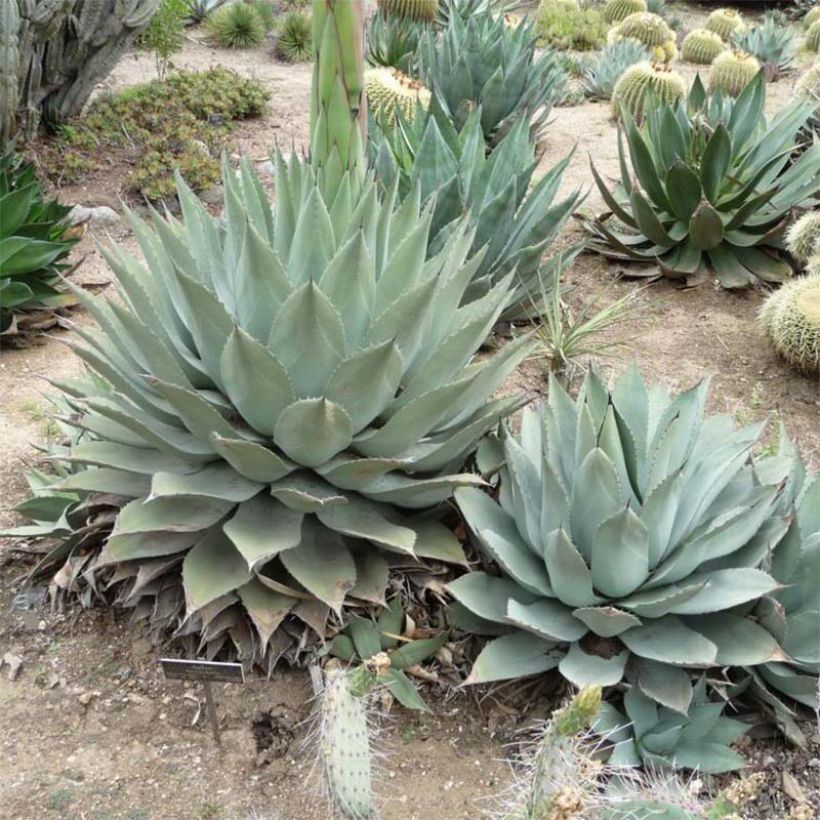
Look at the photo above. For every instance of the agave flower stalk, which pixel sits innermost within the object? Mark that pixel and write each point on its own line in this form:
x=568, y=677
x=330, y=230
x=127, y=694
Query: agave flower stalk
x=338, y=113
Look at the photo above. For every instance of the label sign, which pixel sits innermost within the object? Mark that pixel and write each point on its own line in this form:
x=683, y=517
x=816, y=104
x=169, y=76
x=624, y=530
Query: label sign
x=208, y=671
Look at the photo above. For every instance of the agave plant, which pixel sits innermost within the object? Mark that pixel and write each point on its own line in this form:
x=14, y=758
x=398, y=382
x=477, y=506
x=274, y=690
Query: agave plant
x=393, y=42
x=660, y=738
x=33, y=243
x=604, y=70
x=198, y=10
x=711, y=190
x=630, y=530
x=514, y=224
x=792, y=613
x=485, y=64
x=774, y=44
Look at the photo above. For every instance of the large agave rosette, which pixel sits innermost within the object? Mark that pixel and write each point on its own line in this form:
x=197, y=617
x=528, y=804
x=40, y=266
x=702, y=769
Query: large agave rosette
x=277, y=395
x=630, y=530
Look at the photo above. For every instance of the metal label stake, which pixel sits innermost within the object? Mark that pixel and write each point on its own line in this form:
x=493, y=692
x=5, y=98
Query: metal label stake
x=205, y=672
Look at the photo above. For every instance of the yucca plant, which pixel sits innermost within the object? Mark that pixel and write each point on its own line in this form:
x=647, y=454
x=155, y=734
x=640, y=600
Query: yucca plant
x=198, y=10
x=485, y=63
x=278, y=395
x=237, y=25
x=711, y=189
x=515, y=224
x=33, y=243
x=772, y=43
x=294, y=37
x=629, y=529
x=602, y=72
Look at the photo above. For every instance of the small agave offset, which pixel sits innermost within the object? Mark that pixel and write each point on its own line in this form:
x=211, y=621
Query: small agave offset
x=710, y=189
x=630, y=530
x=276, y=397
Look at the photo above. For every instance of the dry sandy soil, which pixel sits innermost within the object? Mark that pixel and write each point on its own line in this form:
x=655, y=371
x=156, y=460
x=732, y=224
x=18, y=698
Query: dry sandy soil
x=90, y=728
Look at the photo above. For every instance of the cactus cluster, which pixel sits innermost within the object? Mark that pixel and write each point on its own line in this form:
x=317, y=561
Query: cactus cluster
x=389, y=91
x=54, y=52
x=791, y=318
x=651, y=31
x=417, y=10
x=639, y=81
x=803, y=238
x=701, y=46
x=726, y=23
x=617, y=10
x=732, y=71
x=813, y=37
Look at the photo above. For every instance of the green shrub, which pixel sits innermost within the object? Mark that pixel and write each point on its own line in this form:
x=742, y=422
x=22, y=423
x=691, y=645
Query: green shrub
x=180, y=123
x=33, y=243
x=164, y=35
x=236, y=26
x=294, y=41
x=566, y=27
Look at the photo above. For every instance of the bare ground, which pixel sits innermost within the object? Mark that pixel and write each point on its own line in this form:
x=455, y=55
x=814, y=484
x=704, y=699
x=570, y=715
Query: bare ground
x=90, y=728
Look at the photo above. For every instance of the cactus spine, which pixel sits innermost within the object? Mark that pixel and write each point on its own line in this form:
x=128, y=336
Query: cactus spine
x=791, y=317
x=725, y=23
x=337, y=103
x=417, y=10
x=813, y=37
x=617, y=10
x=634, y=86
x=54, y=52
x=650, y=30
x=732, y=71
x=803, y=237
x=344, y=746
x=389, y=91
x=701, y=46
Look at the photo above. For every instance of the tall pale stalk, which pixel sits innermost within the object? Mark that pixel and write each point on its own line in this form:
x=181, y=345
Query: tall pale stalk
x=337, y=105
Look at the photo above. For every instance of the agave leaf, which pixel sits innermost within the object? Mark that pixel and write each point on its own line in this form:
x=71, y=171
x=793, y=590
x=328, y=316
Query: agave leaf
x=212, y=568
x=322, y=564
x=569, y=575
x=487, y=595
x=583, y=669
x=188, y=514
x=516, y=655
x=266, y=608
x=311, y=431
x=724, y=589
x=372, y=575
x=545, y=618
x=261, y=528
x=739, y=641
x=434, y=540
x=715, y=163
x=606, y=621
x=214, y=481
x=361, y=518
x=665, y=684
x=669, y=640
x=620, y=555
x=252, y=460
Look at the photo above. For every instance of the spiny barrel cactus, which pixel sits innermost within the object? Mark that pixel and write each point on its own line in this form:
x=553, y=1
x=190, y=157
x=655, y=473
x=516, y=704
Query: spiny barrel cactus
x=516, y=221
x=710, y=192
x=617, y=10
x=791, y=317
x=701, y=46
x=275, y=388
x=54, y=52
x=629, y=530
x=726, y=23
x=642, y=81
x=389, y=91
x=803, y=237
x=650, y=30
x=416, y=10
x=602, y=72
x=813, y=37
x=732, y=71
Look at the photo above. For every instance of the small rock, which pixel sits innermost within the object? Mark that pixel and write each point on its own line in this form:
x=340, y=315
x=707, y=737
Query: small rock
x=266, y=168
x=14, y=662
x=793, y=788
x=86, y=698
x=99, y=215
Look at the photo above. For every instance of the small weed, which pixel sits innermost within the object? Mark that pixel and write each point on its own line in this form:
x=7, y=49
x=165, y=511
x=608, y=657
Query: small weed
x=165, y=34
x=60, y=799
x=211, y=810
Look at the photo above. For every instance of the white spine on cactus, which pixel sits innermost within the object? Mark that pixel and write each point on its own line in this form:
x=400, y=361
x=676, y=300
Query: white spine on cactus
x=803, y=237
x=791, y=317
